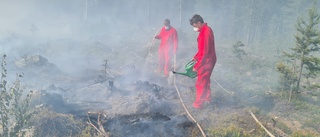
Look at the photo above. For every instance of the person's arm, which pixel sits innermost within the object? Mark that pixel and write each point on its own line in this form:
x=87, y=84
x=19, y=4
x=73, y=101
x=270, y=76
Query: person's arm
x=199, y=56
x=195, y=57
x=159, y=35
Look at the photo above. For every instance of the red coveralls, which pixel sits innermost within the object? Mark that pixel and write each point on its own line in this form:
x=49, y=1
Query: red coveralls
x=206, y=59
x=169, y=44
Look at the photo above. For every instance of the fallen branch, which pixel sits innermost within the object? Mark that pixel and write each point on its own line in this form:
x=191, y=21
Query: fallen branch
x=269, y=91
x=231, y=93
x=100, y=129
x=101, y=126
x=255, y=118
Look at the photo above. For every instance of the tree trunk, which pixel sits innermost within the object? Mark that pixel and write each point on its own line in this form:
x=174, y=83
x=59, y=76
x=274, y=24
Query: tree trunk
x=300, y=71
x=180, y=14
x=148, y=13
x=249, y=35
x=86, y=10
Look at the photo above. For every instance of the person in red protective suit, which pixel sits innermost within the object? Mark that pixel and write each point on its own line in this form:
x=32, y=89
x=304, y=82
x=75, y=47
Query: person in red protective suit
x=205, y=60
x=168, y=46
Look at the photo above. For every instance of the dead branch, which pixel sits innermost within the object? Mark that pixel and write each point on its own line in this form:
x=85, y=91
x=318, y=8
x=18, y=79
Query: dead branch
x=101, y=126
x=277, y=130
x=255, y=118
x=274, y=121
x=101, y=129
x=231, y=93
x=269, y=91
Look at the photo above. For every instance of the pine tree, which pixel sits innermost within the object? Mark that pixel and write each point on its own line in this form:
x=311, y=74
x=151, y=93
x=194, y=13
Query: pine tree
x=15, y=112
x=305, y=50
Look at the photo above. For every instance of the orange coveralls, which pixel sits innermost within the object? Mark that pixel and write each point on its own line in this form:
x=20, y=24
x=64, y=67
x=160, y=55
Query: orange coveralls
x=168, y=46
x=206, y=59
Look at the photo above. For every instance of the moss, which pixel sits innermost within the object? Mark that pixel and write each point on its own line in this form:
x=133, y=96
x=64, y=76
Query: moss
x=230, y=131
x=304, y=134
x=49, y=123
x=312, y=122
x=89, y=131
x=284, y=127
x=310, y=112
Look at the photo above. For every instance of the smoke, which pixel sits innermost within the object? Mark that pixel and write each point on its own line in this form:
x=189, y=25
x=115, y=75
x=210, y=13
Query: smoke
x=79, y=36
x=83, y=38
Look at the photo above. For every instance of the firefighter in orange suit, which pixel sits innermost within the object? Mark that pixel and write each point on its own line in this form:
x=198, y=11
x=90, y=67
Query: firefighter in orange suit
x=205, y=60
x=168, y=46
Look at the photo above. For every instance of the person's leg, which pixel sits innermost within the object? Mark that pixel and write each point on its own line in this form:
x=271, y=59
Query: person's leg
x=161, y=59
x=167, y=61
x=208, y=92
x=200, y=87
x=199, y=91
x=203, y=92
x=208, y=89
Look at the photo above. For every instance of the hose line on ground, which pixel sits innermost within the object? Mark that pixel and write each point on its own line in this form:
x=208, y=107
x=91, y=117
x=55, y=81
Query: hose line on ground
x=150, y=47
x=185, y=108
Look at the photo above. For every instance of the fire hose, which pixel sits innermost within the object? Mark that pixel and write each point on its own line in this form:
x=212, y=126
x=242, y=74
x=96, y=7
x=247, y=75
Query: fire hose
x=185, y=108
x=177, y=89
x=150, y=46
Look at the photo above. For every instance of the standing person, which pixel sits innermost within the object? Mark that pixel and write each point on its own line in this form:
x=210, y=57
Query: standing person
x=205, y=60
x=168, y=46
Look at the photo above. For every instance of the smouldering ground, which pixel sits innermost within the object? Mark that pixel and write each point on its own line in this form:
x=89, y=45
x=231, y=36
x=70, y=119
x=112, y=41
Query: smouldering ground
x=142, y=99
